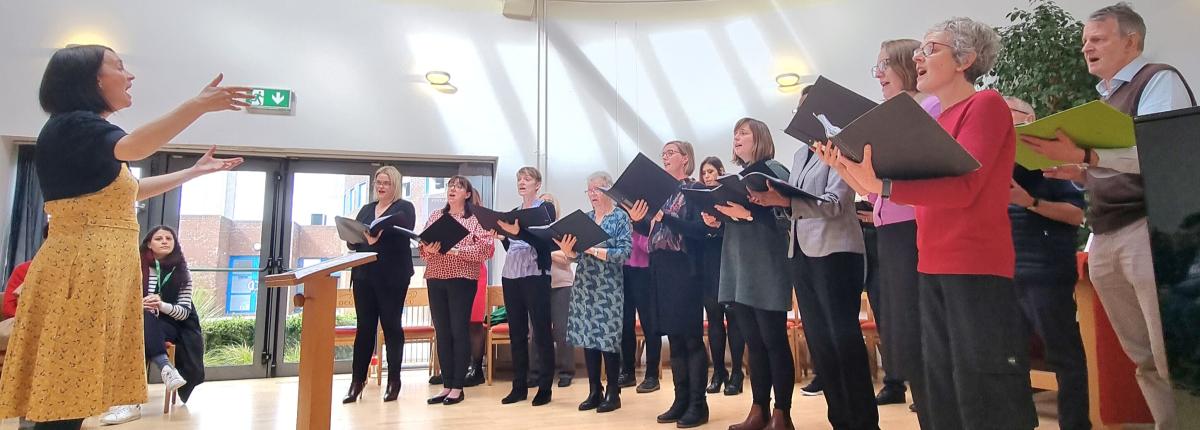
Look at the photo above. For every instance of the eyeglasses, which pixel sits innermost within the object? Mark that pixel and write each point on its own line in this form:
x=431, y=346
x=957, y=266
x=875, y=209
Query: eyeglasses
x=927, y=49
x=670, y=153
x=880, y=67
x=591, y=191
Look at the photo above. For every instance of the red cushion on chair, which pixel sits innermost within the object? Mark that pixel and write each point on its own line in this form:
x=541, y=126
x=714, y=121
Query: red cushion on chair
x=868, y=325
x=501, y=328
x=345, y=330
x=418, y=329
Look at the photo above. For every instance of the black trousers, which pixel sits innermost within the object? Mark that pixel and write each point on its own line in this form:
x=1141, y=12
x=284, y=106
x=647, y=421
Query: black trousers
x=976, y=354
x=612, y=368
x=639, y=299
x=771, y=365
x=892, y=379
x=718, y=333
x=829, y=291
x=378, y=302
x=157, y=332
x=564, y=353
x=689, y=369
x=450, y=303
x=897, y=311
x=74, y=424
x=1050, y=310
x=528, y=302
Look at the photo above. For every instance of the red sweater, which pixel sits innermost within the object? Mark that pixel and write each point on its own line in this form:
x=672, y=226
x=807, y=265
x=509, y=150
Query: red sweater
x=10, y=296
x=962, y=222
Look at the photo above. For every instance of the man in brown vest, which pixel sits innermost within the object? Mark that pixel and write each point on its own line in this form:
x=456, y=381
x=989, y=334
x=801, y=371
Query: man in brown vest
x=1119, y=259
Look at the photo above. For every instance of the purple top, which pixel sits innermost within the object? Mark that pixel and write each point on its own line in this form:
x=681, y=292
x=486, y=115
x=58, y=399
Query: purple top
x=885, y=212
x=639, y=255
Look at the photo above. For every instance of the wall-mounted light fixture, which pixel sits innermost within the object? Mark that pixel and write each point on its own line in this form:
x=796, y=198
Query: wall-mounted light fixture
x=788, y=82
x=437, y=78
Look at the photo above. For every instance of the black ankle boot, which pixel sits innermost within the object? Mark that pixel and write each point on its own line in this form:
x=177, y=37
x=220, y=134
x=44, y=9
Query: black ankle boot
x=678, y=407
x=474, y=376
x=733, y=386
x=696, y=415
x=612, y=400
x=593, y=399
x=542, y=397
x=356, y=389
x=718, y=379
x=393, y=391
x=518, y=394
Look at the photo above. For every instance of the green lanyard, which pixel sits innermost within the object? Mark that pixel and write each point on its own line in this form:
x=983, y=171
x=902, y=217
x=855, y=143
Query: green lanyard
x=161, y=279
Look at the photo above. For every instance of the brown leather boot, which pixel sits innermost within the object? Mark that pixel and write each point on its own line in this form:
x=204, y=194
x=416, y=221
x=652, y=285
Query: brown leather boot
x=780, y=420
x=756, y=420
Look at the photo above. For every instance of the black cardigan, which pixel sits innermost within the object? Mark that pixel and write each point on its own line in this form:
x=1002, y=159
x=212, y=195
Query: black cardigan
x=394, y=252
x=540, y=246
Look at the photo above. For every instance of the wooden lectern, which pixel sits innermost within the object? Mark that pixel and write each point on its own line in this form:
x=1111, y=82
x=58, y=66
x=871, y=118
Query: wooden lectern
x=316, y=337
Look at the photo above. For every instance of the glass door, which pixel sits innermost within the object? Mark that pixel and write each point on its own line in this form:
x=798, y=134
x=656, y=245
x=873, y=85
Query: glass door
x=227, y=224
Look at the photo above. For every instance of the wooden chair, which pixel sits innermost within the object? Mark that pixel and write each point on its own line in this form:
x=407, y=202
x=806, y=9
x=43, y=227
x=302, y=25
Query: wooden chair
x=798, y=343
x=169, y=397
x=496, y=334
x=870, y=330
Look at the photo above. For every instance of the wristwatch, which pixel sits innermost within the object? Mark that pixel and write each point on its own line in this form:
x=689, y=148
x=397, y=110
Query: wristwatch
x=886, y=190
x=1033, y=205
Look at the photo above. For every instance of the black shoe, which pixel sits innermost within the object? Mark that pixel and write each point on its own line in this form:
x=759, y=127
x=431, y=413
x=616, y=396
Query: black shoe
x=516, y=395
x=564, y=381
x=733, y=386
x=812, y=389
x=462, y=395
x=392, y=392
x=435, y=379
x=626, y=380
x=592, y=401
x=649, y=385
x=696, y=416
x=612, y=401
x=542, y=397
x=714, y=385
x=438, y=399
x=356, y=389
x=890, y=396
x=912, y=408
x=678, y=407
x=473, y=378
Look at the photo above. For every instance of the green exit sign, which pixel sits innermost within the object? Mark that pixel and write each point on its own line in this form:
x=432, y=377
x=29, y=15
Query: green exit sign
x=271, y=99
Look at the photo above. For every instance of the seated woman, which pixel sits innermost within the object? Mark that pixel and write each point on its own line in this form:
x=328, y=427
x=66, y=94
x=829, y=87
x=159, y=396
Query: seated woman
x=168, y=316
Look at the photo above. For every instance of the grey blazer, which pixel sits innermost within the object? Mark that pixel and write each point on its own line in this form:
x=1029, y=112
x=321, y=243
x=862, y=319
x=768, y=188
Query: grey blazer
x=825, y=226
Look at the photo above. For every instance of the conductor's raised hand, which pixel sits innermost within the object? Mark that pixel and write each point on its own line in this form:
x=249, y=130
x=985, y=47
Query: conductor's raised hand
x=215, y=98
x=208, y=163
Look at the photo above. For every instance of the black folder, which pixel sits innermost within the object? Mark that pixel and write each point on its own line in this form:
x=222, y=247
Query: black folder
x=838, y=104
x=643, y=180
x=587, y=233
x=758, y=181
x=906, y=142
x=705, y=199
x=446, y=230
x=530, y=217
x=351, y=231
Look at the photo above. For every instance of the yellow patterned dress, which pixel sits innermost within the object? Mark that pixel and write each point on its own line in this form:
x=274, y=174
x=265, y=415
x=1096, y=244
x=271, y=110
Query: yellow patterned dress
x=77, y=347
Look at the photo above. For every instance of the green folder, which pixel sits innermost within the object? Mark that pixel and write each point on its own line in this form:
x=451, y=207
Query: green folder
x=1091, y=125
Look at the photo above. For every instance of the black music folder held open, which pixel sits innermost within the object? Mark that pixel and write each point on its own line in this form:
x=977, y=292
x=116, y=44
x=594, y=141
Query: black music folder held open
x=758, y=181
x=587, y=233
x=906, y=143
x=837, y=103
x=530, y=217
x=446, y=230
x=352, y=231
x=643, y=180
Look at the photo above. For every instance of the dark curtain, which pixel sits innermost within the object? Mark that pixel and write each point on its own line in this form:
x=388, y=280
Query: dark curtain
x=29, y=215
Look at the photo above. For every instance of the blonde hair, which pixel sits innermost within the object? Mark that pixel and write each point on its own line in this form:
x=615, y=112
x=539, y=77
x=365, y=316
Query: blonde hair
x=393, y=174
x=685, y=148
x=764, y=145
x=549, y=198
x=531, y=172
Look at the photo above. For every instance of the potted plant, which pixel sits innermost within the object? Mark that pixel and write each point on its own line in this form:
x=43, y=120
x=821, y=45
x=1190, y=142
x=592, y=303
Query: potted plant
x=1040, y=62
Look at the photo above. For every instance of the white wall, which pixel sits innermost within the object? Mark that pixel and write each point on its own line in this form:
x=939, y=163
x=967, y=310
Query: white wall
x=622, y=77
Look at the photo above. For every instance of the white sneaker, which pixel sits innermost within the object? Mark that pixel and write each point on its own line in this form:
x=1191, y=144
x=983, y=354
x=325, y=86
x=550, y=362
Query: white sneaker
x=172, y=379
x=121, y=414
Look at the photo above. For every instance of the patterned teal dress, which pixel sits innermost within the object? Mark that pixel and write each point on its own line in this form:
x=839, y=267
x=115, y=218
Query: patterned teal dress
x=597, y=299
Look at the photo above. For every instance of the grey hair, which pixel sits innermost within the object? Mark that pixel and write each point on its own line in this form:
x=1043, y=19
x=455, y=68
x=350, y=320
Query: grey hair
x=1128, y=21
x=601, y=176
x=968, y=36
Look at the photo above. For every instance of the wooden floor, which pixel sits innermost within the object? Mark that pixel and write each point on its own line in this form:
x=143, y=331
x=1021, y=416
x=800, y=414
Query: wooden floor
x=271, y=404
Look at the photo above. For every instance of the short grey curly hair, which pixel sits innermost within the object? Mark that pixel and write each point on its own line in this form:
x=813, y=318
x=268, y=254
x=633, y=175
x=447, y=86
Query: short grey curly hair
x=968, y=36
x=605, y=179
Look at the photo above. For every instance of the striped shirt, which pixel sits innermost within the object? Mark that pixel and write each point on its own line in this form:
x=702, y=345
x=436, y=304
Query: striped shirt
x=182, y=308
